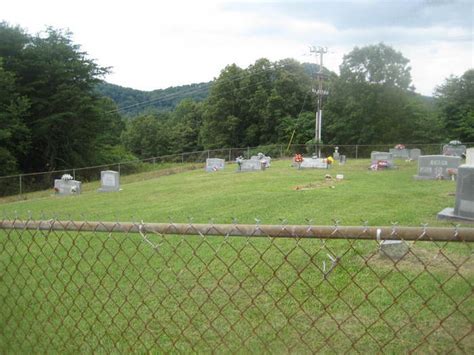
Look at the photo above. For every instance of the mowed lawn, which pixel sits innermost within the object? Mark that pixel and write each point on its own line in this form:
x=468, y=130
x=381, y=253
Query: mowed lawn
x=380, y=198
x=98, y=292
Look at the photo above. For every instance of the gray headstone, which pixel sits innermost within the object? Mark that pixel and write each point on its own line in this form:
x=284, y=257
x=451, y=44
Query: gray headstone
x=67, y=187
x=109, y=181
x=393, y=249
x=470, y=156
x=400, y=153
x=263, y=159
x=314, y=163
x=432, y=167
x=464, y=206
x=336, y=154
x=250, y=165
x=382, y=156
x=454, y=150
x=342, y=159
x=415, y=153
x=214, y=164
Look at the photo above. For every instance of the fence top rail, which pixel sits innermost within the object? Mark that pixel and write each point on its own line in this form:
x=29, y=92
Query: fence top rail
x=454, y=234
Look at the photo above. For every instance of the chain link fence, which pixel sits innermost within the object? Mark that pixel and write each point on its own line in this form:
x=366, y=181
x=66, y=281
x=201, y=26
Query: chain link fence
x=75, y=286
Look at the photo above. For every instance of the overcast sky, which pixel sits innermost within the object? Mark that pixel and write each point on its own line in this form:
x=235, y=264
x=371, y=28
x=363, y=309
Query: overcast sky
x=156, y=44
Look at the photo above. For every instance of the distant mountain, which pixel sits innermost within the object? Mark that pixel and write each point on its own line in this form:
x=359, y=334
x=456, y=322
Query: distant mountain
x=133, y=102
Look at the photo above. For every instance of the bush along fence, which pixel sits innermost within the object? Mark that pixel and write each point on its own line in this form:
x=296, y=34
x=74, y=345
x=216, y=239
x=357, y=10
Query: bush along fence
x=25, y=183
x=75, y=286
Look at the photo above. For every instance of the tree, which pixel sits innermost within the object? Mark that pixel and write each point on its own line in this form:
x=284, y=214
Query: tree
x=455, y=100
x=377, y=64
x=371, y=102
x=56, y=100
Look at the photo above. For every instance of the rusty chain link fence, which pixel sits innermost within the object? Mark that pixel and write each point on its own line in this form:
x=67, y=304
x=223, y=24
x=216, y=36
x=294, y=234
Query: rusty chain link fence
x=69, y=286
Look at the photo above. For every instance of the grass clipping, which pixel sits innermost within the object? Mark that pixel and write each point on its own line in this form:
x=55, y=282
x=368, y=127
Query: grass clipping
x=327, y=182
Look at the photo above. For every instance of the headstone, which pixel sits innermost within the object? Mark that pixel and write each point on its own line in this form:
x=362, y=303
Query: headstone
x=457, y=150
x=415, y=153
x=432, y=167
x=263, y=159
x=342, y=159
x=67, y=186
x=214, y=164
x=375, y=157
x=314, y=163
x=250, y=165
x=109, y=181
x=336, y=154
x=393, y=249
x=400, y=153
x=464, y=206
x=470, y=156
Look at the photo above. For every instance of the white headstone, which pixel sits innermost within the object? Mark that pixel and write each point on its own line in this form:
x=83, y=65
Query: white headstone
x=109, y=181
x=432, y=167
x=470, y=156
x=415, y=153
x=394, y=249
x=214, y=164
x=314, y=163
x=67, y=187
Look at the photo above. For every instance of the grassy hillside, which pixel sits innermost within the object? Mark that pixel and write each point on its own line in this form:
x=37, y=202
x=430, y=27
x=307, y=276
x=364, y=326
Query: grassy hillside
x=377, y=197
x=110, y=292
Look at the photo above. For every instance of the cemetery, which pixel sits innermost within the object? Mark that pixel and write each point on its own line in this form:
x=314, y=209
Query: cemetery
x=381, y=161
x=67, y=186
x=110, y=181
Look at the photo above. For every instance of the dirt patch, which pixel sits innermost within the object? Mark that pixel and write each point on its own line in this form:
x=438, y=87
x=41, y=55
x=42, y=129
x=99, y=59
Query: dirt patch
x=420, y=258
x=327, y=182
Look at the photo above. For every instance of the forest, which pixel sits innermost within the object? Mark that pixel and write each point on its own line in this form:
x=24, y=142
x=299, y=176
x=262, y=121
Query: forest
x=56, y=110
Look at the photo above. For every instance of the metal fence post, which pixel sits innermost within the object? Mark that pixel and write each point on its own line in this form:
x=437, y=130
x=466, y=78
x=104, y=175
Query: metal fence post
x=208, y=154
x=230, y=154
x=281, y=151
x=118, y=168
x=182, y=158
x=248, y=152
x=357, y=151
x=74, y=174
x=21, y=187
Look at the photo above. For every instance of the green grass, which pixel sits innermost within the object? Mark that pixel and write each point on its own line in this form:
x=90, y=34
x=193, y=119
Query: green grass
x=70, y=292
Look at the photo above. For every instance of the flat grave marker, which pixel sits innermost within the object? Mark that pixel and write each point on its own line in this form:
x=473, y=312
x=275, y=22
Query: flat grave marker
x=314, y=163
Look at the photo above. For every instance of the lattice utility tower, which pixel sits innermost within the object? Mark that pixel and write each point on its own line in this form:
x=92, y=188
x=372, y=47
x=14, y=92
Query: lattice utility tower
x=320, y=76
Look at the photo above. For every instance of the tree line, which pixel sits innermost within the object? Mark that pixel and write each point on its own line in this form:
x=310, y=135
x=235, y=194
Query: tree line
x=52, y=114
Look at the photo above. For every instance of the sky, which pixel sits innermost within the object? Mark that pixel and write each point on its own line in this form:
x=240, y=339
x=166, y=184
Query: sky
x=157, y=44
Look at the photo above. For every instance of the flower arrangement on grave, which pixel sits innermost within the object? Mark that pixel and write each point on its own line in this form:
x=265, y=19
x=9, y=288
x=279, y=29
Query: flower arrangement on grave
x=452, y=172
x=400, y=146
x=298, y=158
x=330, y=160
x=380, y=165
x=66, y=177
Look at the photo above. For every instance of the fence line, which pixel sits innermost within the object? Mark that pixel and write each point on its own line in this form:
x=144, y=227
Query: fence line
x=423, y=233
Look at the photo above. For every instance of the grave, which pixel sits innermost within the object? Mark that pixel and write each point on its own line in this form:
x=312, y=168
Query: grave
x=342, y=159
x=336, y=154
x=249, y=165
x=393, y=249
x=109, y=181
x=464, y=207
x=377, y=157
x=214, y=164
x=314, y=163
x=470, y=156
x=400, y=153
x=67, y=186
x=414, y=153
x=432, y=167
x=263, y=159
x=454, y=148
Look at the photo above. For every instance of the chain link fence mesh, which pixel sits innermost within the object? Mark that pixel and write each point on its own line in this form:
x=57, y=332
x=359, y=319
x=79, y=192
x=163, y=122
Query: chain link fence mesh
x=69, y=286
